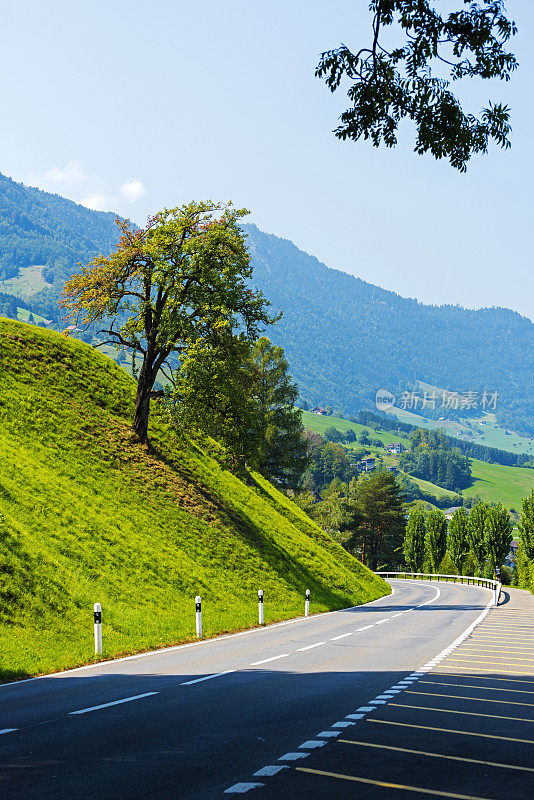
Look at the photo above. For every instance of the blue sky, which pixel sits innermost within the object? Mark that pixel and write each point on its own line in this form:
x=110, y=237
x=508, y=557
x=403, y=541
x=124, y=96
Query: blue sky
x=134, y=107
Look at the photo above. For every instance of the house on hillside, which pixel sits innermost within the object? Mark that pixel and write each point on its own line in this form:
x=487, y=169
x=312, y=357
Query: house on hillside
x=394, y=470
x=367, y=464
x=450, y=511
x=396, y=447
x=320, y=411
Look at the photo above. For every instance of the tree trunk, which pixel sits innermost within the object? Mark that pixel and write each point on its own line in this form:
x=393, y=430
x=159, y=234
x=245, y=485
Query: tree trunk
x=142, y=403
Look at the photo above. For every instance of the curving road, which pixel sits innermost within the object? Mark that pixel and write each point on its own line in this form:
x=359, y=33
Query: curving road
x=229, y=715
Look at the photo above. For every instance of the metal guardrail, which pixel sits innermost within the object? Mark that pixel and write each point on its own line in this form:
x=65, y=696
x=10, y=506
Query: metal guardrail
x=471, y=580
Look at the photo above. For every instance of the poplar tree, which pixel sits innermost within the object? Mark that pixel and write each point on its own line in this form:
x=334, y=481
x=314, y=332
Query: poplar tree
x=457, y=539
x=476, y=534
x=414, y=540
x=436, y=538
x=497, y=535
x=526, y=526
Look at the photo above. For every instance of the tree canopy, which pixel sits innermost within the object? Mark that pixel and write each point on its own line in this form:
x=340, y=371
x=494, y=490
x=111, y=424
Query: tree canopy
x=179, y=279
x=411, y=78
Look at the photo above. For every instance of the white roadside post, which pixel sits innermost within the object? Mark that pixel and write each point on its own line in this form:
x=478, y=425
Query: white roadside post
x=260, y=606
x=198, y=608
x=307, y=604
x=97, y=613
x=496, y=593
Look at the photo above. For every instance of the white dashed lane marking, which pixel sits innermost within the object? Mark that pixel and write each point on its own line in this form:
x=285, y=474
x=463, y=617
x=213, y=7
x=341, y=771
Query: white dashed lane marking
x=266, y=660
x=309, y=647
x=8, y=730
x=114, y=703
x=207, y=677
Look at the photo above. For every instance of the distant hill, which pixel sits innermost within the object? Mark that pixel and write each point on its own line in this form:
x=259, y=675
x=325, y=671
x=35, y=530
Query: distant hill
x=88, y=514
x=48, y=231
x=344, y=338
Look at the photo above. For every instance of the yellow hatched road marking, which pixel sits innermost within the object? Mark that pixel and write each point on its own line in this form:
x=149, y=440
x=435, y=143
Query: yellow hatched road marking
x=480, y=688
x=464, y=713
x=477, y=661
x=449, y=730
x=388, y=785
x=497, y=650
x=492, y=671
x=437, y=755
x=479, y=699
x=497, y=656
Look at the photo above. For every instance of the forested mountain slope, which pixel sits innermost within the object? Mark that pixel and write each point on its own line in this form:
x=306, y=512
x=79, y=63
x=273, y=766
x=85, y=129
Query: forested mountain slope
x=87, y=514
x=345, y=338
x=38, y=228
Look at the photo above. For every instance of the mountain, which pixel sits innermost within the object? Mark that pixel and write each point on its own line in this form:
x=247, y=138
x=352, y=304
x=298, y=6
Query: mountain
x=50, y=232
x=87, y=514
x=344, y=338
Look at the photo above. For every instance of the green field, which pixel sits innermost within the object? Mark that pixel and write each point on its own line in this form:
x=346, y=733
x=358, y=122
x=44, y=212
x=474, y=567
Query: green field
x=87, y=514
x=319, y=424
x=483, y=430
x=495, y=483
x=23, y=315
x=28, y=282
x=492, y=482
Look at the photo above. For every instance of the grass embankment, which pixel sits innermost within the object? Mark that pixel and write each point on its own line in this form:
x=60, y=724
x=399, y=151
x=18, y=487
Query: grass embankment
x=88, y=514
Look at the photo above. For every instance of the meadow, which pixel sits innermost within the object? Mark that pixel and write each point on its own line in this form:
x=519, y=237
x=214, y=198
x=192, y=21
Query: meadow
x=87, y=514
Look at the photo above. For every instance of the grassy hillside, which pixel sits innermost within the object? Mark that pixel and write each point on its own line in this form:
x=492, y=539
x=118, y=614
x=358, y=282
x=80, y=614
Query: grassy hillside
x=492, y=482
x=496, y=483
x=87, y=514
x=319, y=424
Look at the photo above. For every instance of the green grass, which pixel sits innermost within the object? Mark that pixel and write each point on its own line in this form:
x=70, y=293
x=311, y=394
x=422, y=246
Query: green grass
x=492, y=482
x=88, y=514
x=27, y=283
x=23, y=315
x=495, y=483
x=319, y=424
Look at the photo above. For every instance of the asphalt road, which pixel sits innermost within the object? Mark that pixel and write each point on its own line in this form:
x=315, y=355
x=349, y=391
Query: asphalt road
x=249, y=713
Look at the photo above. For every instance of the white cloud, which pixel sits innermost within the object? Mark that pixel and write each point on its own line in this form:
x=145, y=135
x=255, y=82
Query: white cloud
x=98, y=201
x=132, y=190
x=72, y=172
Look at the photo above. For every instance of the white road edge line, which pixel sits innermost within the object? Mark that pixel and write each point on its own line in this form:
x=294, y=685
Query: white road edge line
x=407, y=681
x=8, y=730
x=114, y=703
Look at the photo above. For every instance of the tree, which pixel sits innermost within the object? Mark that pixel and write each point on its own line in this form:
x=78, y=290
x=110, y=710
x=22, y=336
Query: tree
x=457, y=540
x=375, y=519
x=332, y=434
x=436, y=538
x=283, y=452
x=213, y=396
x=390, y=84
x=526, y=526
x=497, y=535
x=414, y=540
x=178, y=279
x=475, y=532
